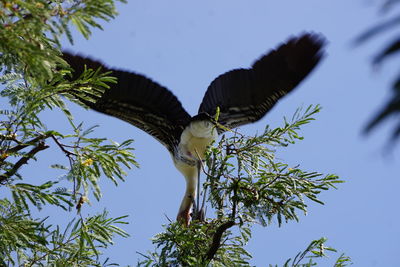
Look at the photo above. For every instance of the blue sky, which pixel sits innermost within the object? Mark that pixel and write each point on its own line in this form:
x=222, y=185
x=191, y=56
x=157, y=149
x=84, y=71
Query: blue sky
x=184, y=45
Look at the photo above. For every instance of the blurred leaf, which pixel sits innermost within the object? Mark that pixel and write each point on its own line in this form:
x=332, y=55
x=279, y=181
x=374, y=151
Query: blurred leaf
x=392, y=106
x=394, y=47
x=384, y=26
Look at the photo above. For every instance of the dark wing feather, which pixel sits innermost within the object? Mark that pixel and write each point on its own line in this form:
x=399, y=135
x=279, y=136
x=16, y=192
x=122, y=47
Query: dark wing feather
x=137, y=100
x=246, y=95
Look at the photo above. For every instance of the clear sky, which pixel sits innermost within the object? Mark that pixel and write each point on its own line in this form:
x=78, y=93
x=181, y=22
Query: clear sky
x=184, y=45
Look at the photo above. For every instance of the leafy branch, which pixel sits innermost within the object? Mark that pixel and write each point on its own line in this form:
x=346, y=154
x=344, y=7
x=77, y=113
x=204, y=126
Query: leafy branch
x=246, y=185
x=34, y=78
x=315, y=250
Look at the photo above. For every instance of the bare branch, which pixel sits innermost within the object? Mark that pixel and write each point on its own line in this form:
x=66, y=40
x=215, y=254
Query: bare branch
x=25, y=144
x=62, y=146
x=217, y=239
x=24, y=160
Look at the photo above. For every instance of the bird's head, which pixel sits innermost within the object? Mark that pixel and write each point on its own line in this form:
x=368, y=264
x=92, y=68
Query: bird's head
x=203, y=126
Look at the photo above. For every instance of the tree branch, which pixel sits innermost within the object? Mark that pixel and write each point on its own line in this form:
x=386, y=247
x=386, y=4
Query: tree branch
x=41, y=146
x=62, y=147
x=21, y=145
x=217, y=239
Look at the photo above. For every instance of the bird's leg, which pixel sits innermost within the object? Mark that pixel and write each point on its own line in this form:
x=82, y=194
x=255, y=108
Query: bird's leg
x=202, y=215
x=188, y=204
x=203, y=204
x=198, y=189
x=194, y=210
x=188, y=198
x=198, y=210
x=184, y=215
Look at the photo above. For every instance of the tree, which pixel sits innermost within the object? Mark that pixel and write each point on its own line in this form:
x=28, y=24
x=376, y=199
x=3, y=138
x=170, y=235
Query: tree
x=33, y=75
x=245, y=183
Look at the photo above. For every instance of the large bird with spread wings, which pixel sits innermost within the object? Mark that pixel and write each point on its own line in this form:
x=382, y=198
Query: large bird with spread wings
x=241, y=95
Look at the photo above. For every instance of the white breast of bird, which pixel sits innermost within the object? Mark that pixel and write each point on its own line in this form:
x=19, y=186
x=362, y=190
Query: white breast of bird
x=196, y=137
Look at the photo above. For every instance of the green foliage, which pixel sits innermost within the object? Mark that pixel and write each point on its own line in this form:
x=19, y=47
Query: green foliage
x=90, y=158
x=40, y=195
x=17, y=231
x=243, y=172
x=78, y=244
x=31, y=29
x=315, y=250
x=35, y=79
x=193, y=246
x=246, y=185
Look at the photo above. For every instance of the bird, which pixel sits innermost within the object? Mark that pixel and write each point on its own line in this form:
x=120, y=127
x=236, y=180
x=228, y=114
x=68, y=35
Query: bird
x=239, y=97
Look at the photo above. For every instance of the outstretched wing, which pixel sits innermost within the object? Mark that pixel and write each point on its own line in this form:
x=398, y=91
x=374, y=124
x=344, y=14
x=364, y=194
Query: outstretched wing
x=246, y=95
x=137, y=100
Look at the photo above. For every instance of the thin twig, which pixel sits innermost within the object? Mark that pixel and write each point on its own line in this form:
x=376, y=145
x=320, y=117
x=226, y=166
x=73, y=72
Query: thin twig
x=61, y=146
x=22, y=161
x=271, y=182
x=234, y=198
x=205, y=189
x=168, y=218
